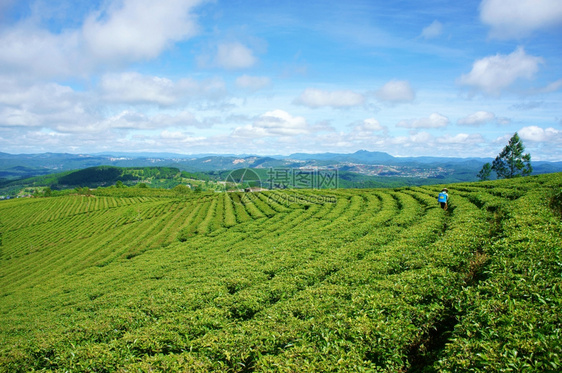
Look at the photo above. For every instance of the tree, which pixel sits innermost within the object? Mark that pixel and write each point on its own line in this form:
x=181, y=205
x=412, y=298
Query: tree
x=181, y=189
x=511, y=162
x=485, y=172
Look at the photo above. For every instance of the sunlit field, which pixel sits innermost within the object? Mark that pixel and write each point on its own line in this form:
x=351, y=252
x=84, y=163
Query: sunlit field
x=377, y=280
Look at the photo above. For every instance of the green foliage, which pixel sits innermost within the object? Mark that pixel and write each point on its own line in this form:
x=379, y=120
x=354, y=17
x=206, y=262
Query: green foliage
x=485, y=172
x=555, y=200
x=83, y=191
x=182, y=189
x=511, y=162
x=145, y=279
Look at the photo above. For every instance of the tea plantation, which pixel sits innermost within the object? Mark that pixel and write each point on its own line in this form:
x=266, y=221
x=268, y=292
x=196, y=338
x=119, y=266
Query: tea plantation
x=369, y=280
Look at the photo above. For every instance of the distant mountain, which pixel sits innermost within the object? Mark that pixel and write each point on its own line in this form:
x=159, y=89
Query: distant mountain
x=366, y=163
x=442, y=160
x=152, y=155
x=361, y=156
x=367, y=157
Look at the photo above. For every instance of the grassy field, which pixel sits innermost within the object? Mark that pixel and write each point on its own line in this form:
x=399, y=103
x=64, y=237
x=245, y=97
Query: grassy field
x=377, y=280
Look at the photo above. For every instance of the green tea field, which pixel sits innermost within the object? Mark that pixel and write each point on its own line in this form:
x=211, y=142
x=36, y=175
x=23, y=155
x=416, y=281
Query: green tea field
x=363, y=280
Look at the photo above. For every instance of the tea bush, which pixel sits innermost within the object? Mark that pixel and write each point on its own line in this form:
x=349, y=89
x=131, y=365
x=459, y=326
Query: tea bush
x=376, y=280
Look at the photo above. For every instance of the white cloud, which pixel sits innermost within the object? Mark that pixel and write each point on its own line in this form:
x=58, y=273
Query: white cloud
x=180, y=119
x=316, y=98
x=138, y=29
x=253, y=83
x=15, y=117
x=515, y=19
x=503, y=120
x=433, y=30
x=135, y=88
x=396, y=91
x=551, y=87
x=366, y=129
x=213, y=88
x=123, y=32
x=435, y=120
x=133, y=120
x=179, y=137
x=41, y=97
x=494, y=73
x=274, y=123
x=448, y=145
x=233, y=56
x=371, y=124
x=538, y=134
x=476, y=119
x=33, y=51
x=461, y=138
x=421, y=138
x=42, y=105
x=58, y=107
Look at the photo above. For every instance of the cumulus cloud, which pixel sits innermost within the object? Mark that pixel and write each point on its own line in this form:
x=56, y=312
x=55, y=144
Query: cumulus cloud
x=43, y=97
x=494, y=73
x=135, y=88
x=515, y=19
x=229, y=56
x=435, y=120
x=461, y=138
x=315, y=98
x=476, y=119
x=179, y=137
x=253, y=83
x=138, y=29
x=366, y=129
x=133, y=120
x=41, y=105
x=447, y=145
x=180, y=119
x=433, y=30
x=396, y=91
x=371, y=124
x=16, y=117
x=538, y=134
x=122, y=32
x=60, y=108
x=33, y=51
x=274, y=123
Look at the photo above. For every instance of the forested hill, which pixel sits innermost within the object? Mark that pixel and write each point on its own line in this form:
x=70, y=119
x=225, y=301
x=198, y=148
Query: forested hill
x=92, y=177
x=104, y=175
x=331, y=280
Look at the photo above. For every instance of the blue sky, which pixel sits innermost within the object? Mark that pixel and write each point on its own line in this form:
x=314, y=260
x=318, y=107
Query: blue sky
x=436, y=78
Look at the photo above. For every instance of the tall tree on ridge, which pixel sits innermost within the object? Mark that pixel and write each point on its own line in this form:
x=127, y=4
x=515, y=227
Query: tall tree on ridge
x=511, y=162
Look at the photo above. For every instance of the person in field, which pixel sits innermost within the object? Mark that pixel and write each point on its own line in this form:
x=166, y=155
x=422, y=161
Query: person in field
x=443, y=199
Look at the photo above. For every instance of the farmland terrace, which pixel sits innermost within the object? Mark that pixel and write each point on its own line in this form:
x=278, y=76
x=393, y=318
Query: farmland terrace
x=295, y=280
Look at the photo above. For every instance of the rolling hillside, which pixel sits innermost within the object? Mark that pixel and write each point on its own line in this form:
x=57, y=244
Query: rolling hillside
x=297, y=280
